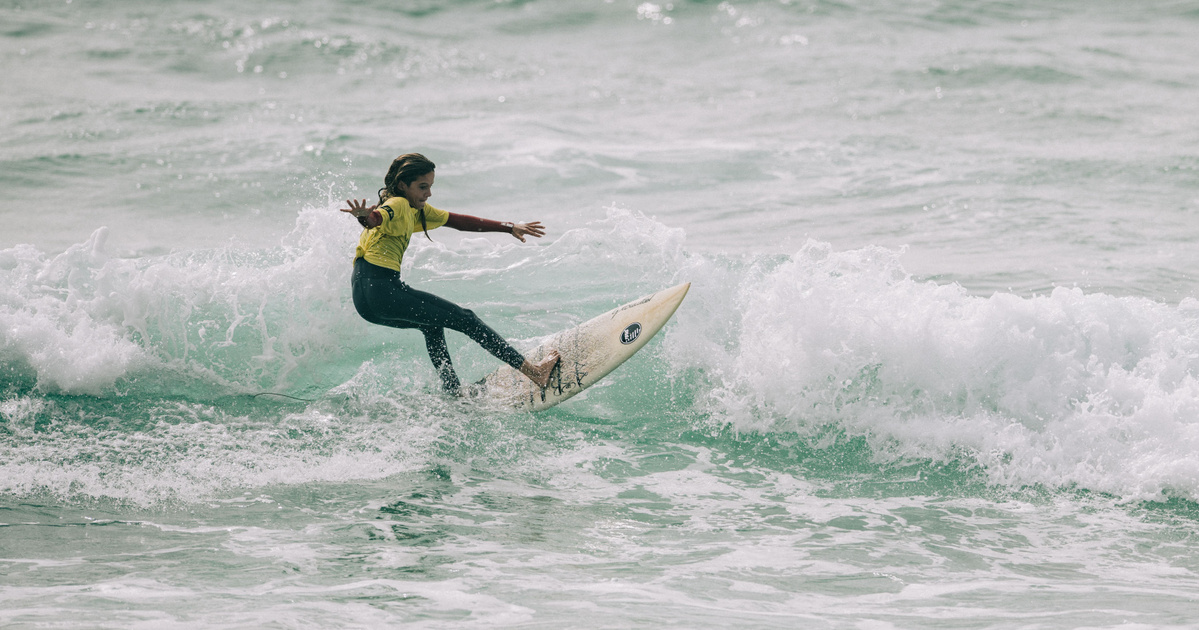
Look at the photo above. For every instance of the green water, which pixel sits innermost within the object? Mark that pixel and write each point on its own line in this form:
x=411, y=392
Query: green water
x=937, y=367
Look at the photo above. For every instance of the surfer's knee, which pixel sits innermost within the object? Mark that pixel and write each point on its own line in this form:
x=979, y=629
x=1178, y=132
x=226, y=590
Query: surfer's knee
x=468, y=320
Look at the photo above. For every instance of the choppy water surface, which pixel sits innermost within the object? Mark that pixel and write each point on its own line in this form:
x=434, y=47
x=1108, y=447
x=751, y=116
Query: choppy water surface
x=938, y=366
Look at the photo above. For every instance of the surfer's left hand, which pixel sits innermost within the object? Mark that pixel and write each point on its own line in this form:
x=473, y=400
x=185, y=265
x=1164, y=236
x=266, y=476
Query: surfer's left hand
x=521, y=230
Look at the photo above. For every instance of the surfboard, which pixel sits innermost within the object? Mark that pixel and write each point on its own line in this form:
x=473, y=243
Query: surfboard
x=589, y=352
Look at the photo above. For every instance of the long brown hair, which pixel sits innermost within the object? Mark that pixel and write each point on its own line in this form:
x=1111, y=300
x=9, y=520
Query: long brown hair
x=406, y=169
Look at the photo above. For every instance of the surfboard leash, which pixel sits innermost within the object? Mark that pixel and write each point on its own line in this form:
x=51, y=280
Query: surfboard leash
x=283, y=396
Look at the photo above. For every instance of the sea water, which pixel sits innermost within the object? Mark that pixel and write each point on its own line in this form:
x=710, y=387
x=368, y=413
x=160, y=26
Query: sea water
x=939, y=365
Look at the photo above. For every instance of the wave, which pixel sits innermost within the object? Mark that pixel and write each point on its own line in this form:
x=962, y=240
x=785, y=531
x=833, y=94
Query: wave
x=121, y=377
x=1063, y=389
x=82, y=321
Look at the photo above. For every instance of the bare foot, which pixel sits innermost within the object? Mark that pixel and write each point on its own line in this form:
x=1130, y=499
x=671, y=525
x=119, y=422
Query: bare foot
x=540, y=373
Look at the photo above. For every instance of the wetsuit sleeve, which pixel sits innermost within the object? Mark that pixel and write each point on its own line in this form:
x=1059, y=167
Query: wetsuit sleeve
x=467, y=223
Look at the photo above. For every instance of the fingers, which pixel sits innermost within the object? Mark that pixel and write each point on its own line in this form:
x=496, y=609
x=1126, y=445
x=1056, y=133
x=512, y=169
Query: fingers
x=356, y=207
x=533, y=228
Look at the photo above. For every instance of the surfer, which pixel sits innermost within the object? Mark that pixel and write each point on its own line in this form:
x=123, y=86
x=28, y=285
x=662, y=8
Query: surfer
x=381, y=297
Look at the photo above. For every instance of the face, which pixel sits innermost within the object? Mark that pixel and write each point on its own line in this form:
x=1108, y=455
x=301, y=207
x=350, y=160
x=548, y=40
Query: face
x=419, y=190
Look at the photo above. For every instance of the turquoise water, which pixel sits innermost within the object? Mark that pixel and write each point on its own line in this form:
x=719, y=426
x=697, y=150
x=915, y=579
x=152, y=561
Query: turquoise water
x=939, y=365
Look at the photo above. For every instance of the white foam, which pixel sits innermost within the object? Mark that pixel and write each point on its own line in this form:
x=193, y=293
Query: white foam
x=1066, y=388
x=1061, y=389
x=82, y=320
x=54, y=321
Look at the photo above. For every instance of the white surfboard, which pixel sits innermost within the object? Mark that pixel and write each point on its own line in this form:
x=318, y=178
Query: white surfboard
x=589, y=352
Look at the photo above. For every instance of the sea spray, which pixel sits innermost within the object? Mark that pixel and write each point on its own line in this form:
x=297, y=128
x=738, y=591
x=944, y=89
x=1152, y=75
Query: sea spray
x=210, y=327
x=83, y=321
x=1064, y=389
x=58, y=331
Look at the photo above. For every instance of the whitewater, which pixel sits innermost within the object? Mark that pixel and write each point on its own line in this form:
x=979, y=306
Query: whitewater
x=938, y=366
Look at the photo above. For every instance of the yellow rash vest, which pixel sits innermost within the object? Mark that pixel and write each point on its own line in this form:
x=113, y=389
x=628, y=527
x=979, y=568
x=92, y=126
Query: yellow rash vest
x=384, y=245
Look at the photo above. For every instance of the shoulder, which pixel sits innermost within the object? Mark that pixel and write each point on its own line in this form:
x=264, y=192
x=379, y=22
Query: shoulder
x=436, y=214
x=394, y=206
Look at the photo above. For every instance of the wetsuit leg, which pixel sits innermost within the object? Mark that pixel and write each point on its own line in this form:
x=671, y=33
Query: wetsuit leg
x=382, y=298
x=440, y=355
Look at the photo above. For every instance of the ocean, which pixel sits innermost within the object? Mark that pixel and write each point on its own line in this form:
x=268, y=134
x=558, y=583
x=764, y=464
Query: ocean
x=938, y=367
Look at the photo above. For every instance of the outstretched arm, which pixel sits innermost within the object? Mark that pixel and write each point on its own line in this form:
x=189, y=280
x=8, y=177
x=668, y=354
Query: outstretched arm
x=467, y=223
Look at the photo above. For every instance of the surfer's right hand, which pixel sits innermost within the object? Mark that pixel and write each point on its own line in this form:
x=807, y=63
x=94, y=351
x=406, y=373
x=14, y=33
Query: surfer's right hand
x=358, y=208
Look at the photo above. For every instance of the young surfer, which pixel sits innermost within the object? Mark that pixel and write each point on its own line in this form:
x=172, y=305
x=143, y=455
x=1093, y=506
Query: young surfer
x=381, y=297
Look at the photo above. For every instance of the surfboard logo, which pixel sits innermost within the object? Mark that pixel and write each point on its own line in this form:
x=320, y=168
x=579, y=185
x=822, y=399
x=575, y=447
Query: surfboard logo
x=630, y=333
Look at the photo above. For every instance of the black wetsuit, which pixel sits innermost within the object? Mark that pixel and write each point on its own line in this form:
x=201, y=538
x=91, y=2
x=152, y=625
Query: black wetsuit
x=381, y=297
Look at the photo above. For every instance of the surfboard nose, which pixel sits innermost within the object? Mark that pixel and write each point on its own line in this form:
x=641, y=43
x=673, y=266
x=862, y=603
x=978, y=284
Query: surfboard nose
x=667, y=301
x=588, y=351
x=674, y=294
